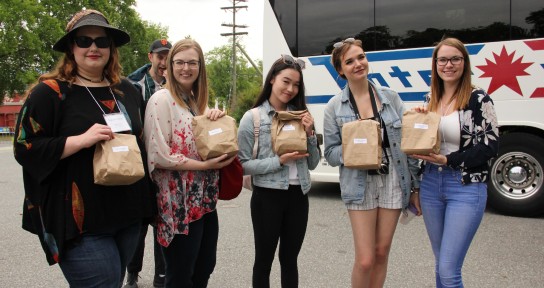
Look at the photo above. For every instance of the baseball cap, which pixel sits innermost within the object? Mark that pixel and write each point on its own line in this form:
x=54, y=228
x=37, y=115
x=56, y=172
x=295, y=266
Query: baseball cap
x=159, y=46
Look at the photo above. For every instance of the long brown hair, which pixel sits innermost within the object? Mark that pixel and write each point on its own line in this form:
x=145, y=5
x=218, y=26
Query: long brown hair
x=200, y=86
x=464, y=88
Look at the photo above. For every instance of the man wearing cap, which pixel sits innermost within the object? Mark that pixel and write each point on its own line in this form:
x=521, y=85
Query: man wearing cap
x=149, y=79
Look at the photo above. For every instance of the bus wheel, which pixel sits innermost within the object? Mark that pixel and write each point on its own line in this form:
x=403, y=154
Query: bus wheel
x=516, y=186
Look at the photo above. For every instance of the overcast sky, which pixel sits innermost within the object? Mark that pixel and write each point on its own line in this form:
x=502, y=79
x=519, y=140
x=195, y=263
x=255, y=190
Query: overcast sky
x=202, y=20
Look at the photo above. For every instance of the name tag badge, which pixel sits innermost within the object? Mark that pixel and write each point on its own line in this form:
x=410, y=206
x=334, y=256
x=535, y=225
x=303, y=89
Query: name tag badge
x=117, y=122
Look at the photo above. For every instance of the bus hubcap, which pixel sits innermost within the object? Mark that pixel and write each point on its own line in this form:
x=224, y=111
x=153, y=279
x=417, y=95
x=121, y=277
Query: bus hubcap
x=517, y=175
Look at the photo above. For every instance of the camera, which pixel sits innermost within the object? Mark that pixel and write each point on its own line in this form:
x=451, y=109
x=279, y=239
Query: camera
x=383, y=170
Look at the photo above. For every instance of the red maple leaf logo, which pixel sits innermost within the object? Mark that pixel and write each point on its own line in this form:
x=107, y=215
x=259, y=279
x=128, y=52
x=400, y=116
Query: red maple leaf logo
x=504, y=71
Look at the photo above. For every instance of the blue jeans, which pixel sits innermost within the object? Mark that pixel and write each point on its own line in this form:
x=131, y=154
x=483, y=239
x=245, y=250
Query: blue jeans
x=99, y=260
x=452, y=212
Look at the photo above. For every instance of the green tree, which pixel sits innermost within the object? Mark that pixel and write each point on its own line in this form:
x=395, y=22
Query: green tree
x=29, y=28
x=537, y=19
x=248, y=82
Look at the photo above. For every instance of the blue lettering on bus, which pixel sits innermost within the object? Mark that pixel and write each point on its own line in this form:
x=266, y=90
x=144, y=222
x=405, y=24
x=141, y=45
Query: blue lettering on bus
x=377, y=77
x=405, y=96
x=426, y=76
x=402, y=75
x=325, y=61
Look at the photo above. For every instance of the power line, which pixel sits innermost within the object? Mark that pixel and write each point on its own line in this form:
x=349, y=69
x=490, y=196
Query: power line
x=234, y=9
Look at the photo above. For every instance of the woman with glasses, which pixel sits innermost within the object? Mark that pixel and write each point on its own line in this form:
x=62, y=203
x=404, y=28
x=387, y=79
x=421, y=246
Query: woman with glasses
x=91, y=230
x=279, y=203
x=453, y=187
x=373, y=201
x=187, y=226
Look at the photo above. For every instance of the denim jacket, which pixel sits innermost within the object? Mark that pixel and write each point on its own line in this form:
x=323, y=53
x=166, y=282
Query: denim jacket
x=352, y=181
x=266, y=168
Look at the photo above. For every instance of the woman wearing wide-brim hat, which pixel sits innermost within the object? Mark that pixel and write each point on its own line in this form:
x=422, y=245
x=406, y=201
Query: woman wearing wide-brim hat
x=91, y=230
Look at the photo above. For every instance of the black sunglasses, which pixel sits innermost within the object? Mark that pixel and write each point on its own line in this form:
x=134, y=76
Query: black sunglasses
x=86, y=42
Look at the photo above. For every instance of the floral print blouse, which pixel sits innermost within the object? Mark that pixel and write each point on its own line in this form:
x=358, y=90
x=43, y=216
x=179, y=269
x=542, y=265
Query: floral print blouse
x=479, y=138
x=183, y=196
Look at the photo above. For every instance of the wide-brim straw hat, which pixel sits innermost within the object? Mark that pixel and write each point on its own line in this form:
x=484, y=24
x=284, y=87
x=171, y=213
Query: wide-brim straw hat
x=90, y=18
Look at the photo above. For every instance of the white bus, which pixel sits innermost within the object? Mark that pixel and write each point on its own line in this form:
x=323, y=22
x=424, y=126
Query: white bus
x=505, y=39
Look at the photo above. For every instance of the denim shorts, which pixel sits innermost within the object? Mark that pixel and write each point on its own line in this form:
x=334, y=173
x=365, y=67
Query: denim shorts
x=381, y=191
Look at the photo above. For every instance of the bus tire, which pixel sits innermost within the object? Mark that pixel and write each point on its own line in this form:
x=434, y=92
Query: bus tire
x=516, y=185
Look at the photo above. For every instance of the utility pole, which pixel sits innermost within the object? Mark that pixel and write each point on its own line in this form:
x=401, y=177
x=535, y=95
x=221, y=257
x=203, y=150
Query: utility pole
x=234, y=8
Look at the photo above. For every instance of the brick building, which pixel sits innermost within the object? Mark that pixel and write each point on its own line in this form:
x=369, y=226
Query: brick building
x=9, y=110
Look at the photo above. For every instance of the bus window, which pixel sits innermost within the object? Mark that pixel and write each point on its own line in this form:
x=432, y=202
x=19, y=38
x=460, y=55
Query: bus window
x=428, y=21
x=527, y=19
x=285, y=11
x=317, y=34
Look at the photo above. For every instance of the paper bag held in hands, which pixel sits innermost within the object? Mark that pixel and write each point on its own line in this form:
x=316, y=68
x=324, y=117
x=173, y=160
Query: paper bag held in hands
x=362, y=144
x=288, y=133
x=420, y=133
x=215, y=138
x=118, y=161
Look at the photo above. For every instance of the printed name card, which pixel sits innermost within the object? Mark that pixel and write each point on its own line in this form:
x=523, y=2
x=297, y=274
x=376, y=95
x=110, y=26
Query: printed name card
x=215, y=131
x=288, y=127
x=119, y=148
x=421, y=126
x=359, y=141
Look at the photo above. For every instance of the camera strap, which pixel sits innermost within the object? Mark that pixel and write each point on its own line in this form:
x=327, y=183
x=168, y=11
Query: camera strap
x=377, y=116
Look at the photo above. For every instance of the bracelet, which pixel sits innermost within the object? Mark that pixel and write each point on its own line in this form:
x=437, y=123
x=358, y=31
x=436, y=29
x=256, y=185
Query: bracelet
x=415, y=191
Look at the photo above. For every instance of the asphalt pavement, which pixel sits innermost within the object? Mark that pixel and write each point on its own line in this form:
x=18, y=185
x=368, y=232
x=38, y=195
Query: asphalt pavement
x=506, y=252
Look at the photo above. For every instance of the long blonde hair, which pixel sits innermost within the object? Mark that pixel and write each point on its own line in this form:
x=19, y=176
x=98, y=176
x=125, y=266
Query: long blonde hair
x=200, y=86
x=464, y=88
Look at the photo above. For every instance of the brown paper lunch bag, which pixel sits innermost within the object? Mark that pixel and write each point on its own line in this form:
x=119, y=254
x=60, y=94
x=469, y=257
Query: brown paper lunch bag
x=420, y=133
x=362, y=144
x=215, y=138
x=118, y=161
x=288, y=134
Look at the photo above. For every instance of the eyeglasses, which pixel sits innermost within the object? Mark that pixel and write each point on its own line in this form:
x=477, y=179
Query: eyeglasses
x=179, y=64
x=289, y=60
x=86, y=42
x=443, y=61
x=339, y=44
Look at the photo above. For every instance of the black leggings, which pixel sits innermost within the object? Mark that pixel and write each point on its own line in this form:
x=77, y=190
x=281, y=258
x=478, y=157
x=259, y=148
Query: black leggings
x=135, y=265
x=278, y=214
x=190, y=259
